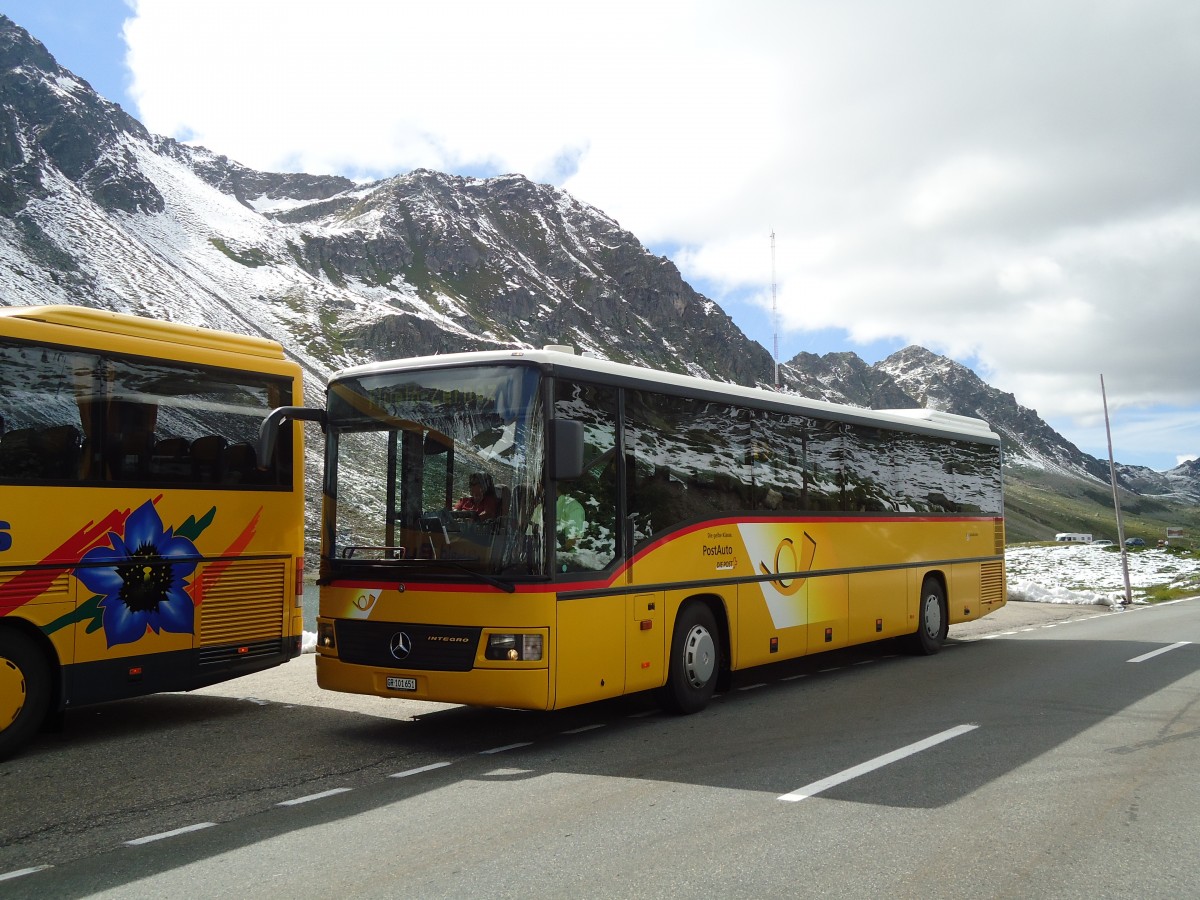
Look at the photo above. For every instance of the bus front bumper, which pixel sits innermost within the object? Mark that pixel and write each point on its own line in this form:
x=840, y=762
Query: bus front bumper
x=524, y=688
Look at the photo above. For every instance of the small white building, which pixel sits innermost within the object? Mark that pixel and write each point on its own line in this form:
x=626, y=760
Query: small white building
x=1073, y=537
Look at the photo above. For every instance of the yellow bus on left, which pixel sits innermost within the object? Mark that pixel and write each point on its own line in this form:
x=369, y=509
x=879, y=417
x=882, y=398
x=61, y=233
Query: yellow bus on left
x=142, y=546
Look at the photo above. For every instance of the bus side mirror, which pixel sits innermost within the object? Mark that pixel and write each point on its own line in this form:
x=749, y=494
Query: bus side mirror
x=568, y=449
x=268, y=431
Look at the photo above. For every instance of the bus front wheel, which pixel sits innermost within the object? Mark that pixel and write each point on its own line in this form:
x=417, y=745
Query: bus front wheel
x=695, y=661
x=24, y=690
x=933, y=621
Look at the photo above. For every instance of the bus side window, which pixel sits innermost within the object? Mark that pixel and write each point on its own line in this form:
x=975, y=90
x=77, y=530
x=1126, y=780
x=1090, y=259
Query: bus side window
x=690, y=461
x=62, y=448
x=586, y=507
x=41, y=438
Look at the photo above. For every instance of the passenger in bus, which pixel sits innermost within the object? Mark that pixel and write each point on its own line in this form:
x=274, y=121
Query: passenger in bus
x=571, y=521
x=483, y=503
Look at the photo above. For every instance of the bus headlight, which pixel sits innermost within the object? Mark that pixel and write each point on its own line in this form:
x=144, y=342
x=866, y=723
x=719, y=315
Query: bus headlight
x=514, y=647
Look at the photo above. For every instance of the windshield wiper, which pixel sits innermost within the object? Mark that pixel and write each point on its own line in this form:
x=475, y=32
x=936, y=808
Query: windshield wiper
x=414, y=564
x=507, y=586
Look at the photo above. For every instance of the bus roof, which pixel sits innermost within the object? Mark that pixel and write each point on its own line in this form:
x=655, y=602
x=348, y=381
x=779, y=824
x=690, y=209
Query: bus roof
x=148, y=329
x=563, y=360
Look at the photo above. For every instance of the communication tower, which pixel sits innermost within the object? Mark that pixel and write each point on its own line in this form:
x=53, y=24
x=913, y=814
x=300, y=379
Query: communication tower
x=774, y=315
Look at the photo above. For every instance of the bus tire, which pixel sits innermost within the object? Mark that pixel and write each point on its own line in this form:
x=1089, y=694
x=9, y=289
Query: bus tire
x=24, y=690
x=695, y=661
x=932, y=619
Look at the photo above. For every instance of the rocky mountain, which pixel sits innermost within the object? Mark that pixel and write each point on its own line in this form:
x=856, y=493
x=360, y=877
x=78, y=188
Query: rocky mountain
x=915, y=377
x=97, y=211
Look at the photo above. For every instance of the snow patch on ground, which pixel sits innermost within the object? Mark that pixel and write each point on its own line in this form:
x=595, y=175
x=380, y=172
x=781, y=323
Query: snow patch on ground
x=1086, y=575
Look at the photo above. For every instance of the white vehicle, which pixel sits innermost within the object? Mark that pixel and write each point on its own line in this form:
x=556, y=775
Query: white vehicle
x=1073, y=537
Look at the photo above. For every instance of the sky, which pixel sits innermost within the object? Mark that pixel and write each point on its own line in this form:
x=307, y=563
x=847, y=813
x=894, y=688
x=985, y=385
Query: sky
x=1012, y=184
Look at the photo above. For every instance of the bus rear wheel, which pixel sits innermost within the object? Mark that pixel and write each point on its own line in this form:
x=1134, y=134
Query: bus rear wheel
x=933, y=621
x=24, y=691
x=695, y=661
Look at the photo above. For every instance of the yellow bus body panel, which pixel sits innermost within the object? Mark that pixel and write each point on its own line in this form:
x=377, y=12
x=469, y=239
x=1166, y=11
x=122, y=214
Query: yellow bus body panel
x=845, y=581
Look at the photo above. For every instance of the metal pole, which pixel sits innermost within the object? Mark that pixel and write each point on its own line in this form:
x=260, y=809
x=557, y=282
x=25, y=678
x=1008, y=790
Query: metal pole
x=774, y=316
x=1112, y=469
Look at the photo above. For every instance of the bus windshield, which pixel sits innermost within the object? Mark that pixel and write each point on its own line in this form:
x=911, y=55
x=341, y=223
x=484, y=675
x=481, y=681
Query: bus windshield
x=436, y=470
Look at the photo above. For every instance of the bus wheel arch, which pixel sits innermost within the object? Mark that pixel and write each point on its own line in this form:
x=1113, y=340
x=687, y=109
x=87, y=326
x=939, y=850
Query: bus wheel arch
x=27, y=685
x=933, y=615
x=698, y=657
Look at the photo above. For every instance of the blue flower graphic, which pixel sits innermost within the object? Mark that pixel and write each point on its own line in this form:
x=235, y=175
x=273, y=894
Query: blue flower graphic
x=141, y=579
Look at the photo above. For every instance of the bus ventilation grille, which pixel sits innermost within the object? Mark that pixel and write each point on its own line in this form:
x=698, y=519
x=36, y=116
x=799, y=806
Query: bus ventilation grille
x=999, y=537
x=991, y=582
x=16, y=590
x=242, y=601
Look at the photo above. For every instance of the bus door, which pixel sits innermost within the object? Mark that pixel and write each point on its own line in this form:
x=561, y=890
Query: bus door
x=583, y=517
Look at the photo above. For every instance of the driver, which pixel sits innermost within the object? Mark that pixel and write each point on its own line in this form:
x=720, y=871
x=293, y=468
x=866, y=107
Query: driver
x=482, y=504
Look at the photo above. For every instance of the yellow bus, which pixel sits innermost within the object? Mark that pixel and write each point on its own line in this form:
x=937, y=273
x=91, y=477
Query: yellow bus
x=537, y=529
x=141, y=547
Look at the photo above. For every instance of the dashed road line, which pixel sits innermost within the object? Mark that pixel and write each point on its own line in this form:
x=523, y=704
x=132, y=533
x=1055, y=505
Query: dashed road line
x=1158, y=652
x=506, y=748
x=878, y=762
x=162, y=836
x=419, y=770
x=20, y=873
x=311, y=797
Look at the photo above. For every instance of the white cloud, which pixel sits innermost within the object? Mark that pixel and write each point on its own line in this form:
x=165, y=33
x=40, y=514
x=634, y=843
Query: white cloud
x=1013, y=184
x=1021, y=276
x=964, y=187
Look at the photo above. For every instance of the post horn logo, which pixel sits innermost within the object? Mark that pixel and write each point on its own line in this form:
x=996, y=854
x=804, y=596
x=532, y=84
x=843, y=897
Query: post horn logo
x=788, y=561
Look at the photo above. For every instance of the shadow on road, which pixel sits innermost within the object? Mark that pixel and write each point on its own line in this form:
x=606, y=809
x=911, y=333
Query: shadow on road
x=157, y=763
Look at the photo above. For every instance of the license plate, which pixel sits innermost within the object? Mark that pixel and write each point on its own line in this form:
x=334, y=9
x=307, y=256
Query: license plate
x=401, y=684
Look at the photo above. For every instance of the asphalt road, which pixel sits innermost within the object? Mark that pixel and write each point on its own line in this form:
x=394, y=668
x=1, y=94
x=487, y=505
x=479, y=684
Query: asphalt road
x=1048, y=751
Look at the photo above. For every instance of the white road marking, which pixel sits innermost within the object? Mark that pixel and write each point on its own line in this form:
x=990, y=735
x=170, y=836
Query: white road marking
x=505, y=748
x=584, y=728
x=150, y=838
x=18, y=873
x=877, y=763
x=753, y=687
x=321, y=796
x=419, y=770
x=1154, y=653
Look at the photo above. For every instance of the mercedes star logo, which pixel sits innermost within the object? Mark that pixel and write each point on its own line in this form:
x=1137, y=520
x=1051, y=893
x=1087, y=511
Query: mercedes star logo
x=400, y=645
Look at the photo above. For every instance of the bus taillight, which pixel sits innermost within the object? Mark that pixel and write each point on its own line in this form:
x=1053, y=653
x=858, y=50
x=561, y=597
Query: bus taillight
x=299, y=580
